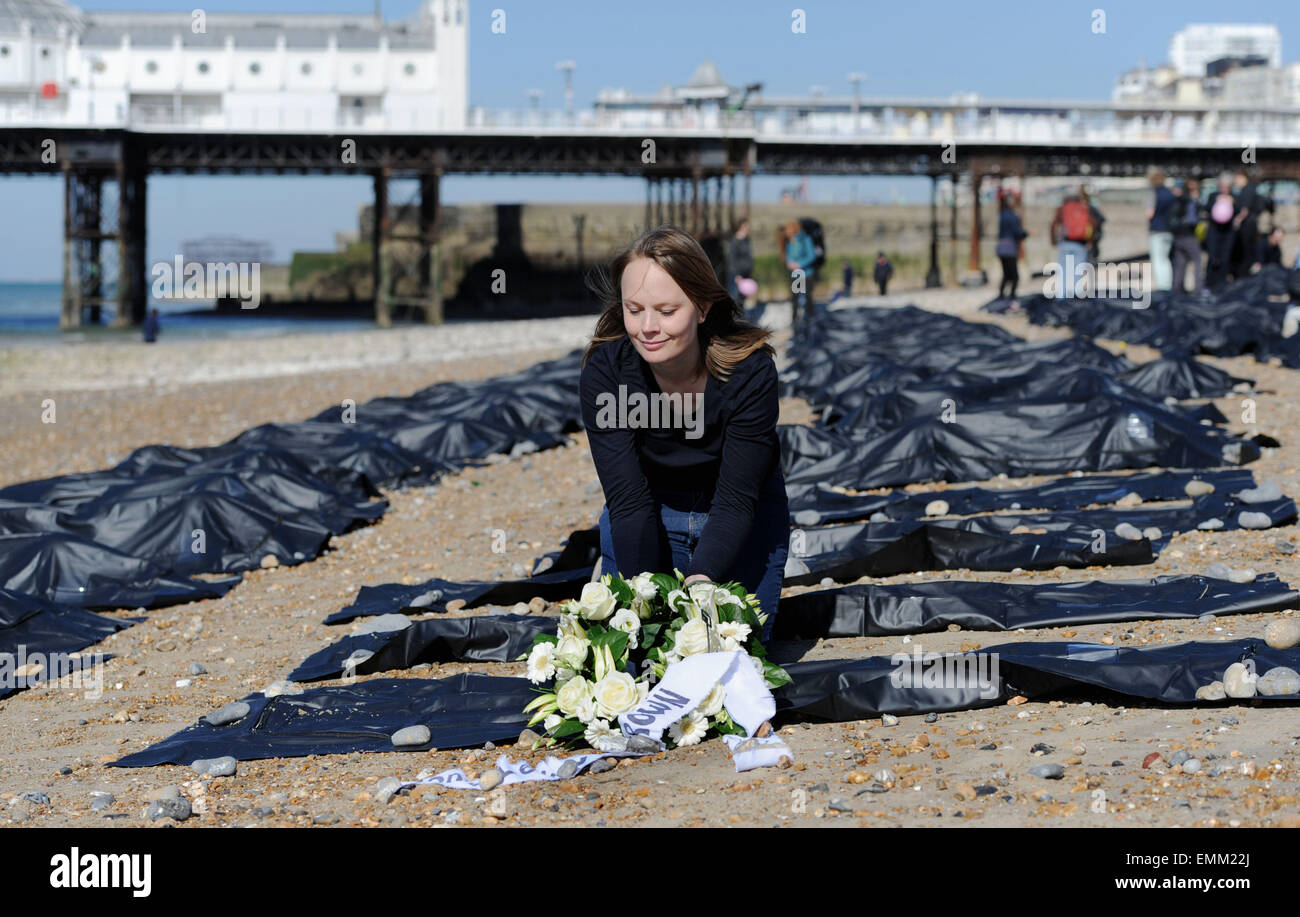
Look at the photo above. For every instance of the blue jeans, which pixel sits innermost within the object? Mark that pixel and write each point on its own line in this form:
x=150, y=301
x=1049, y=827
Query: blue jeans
x=1071, y=256
x=760, y=565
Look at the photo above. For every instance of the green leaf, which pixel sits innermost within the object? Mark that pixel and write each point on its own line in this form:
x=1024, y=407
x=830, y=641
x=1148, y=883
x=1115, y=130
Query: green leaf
x=569, y=727
x=545, y=638
x=775, y=676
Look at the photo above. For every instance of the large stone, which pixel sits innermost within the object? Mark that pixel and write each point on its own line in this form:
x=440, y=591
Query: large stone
x=1197, y=488
x=216, y=767
x=1261, y=494
x=1282, y=680
x=1047, y=771
x=175, y=808
x=937, y=508
x=233, y=712
x=1239, y=681
x=1252, y=520
x=1283, y=634
x=411, y=735
x=1212, y=691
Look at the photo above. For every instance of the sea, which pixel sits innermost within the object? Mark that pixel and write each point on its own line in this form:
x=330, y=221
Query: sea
x=29, y=313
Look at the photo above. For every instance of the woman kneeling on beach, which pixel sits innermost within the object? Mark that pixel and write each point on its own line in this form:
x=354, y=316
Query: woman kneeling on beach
x=679, y=398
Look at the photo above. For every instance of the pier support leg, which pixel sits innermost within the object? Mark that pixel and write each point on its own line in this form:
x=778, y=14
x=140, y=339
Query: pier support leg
x=380, y=231
x=973, y=266
x=430, y=262
x=132, y=276
x=932, y=278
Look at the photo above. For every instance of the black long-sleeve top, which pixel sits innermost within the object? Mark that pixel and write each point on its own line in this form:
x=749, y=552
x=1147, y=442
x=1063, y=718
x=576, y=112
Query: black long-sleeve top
x=734, y=458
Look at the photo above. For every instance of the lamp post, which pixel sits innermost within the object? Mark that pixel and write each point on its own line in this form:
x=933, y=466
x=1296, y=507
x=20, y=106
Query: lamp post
x=856, y=79
x=567, y=67
x=535, y=97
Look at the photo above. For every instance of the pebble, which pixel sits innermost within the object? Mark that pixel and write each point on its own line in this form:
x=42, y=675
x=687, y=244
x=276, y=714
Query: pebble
x=518, y=570
x=879, y=517
x=1047, y=771
x=1129, y=500
x=567, y=770
x=411, y=735
x=1191, y=766
x=937, y=508
x=196, y=668
x=1178, y=757
x=1151, y=533
x=381, y=624
x=491, y=779
x=101, y=801
x=1261, y=494
x=173, y=807
x=1040, y=749
x=1210, y=525
x=1218, y=571
x=385, y=789
x=1213, y=691
x=65, y=770
x=528, y=738
x=1195, y=488
x=231, y=713
x=1283, y=634
x=1242, y=576
x=277, y=688
x=826, y=582
x=536, y=605
x=1253, y=520
x=1239, y=681
x=807, y=517
x=216, y=767
x=1284, y=547
x=603, y=765
x=37, y=798
x=1279, y=681
x=889, y=719
x=1127, y=531
x=519, y=608
x=932, y=717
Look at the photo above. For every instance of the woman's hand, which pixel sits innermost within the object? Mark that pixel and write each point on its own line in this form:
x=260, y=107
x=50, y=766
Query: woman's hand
x=696, y=578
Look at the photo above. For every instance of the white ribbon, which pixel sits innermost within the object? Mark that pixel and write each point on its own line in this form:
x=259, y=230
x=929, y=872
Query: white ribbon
x=685, y=685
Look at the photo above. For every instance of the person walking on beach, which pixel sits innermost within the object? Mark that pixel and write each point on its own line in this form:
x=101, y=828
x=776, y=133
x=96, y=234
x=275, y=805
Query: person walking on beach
x=1011, y=232
x=1219, y=235
x=882, y=272
x=708, y=497
x=740, y=258
x=1249, y=202
x=1098, y=219
x=1188, y=212
x=1072, y=230
x=151, y=327
x=800, y=253
x=1160, y=231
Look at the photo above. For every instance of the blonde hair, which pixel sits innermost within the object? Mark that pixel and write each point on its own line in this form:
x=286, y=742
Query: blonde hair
x=726, y=337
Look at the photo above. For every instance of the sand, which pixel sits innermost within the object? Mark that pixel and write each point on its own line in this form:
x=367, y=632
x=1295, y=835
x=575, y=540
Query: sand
x=113, y=397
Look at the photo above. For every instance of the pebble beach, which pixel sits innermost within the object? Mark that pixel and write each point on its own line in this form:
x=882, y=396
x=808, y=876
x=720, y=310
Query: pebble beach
x=1082, y=762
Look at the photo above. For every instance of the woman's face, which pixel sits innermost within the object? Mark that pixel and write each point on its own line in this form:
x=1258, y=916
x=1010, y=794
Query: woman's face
x=660, y=319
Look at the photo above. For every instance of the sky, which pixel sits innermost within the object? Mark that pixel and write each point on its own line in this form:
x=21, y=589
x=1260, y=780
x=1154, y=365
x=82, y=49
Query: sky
x=1026, y=49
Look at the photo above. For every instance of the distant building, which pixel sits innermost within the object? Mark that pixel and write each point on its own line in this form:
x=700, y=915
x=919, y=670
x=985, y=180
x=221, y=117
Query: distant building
x=1194, y=47
x=234, y=71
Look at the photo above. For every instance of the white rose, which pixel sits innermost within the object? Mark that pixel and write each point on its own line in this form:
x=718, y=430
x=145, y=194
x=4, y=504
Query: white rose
x=712, y=705
x=552, y=721
x=625, y=619
x=615, y=694
x=572, y=652
x=541, y=663
x=572, y=694
x=596, y=602
x=586, y=711
x=693, y=638
x=645, y=588
x=702, y=594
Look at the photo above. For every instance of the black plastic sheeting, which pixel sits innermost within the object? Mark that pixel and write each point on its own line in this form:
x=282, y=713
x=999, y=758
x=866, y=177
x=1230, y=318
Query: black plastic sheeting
x=69, y=569
x=485, y=638
x=907, y=396
x=564, y=573
x=849, y=611
x=30, y=625
x=1240, y=319
x=126, y=537
x=914, y=608
x=815, y=504
x=469, y=710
